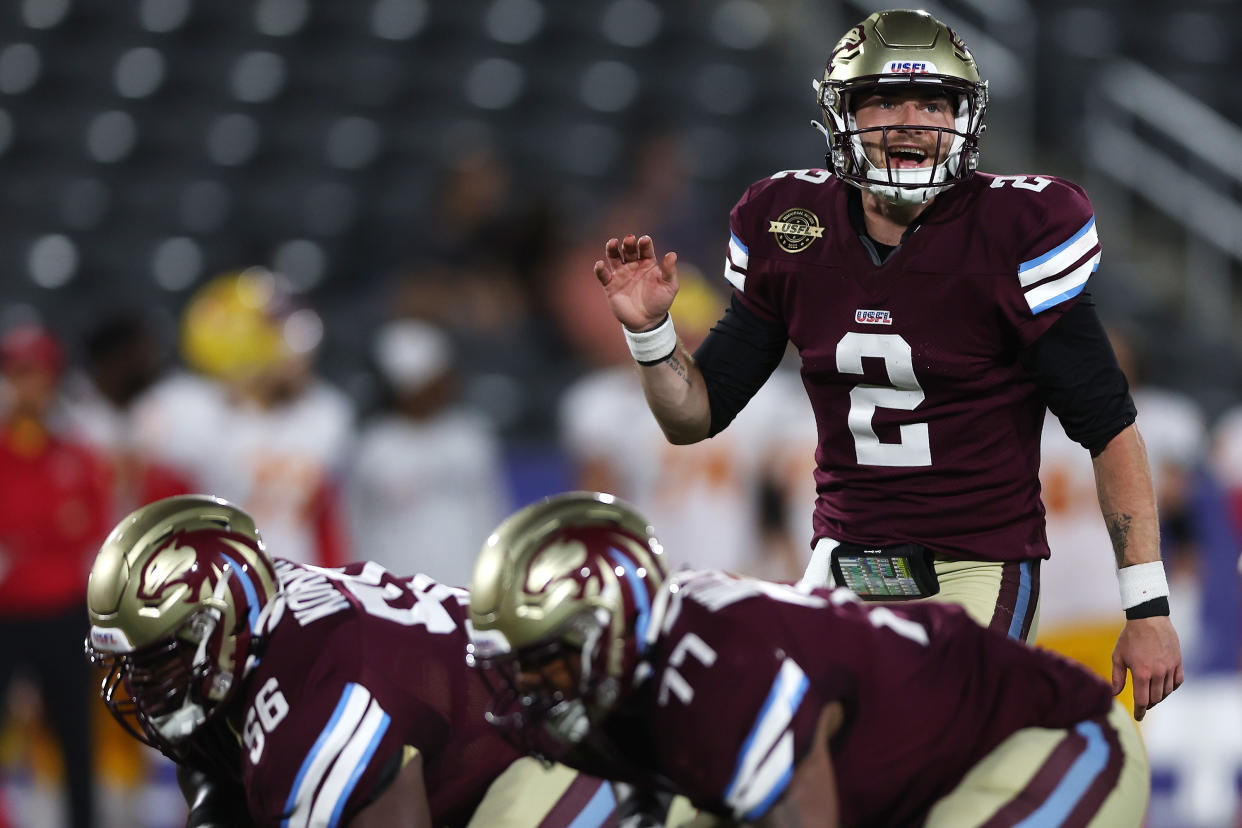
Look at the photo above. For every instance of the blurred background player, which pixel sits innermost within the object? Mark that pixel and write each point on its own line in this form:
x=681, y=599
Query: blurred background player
x=740, y=501
x=123, y=356
x=427, y=481
x=255, y=424
x=55, y=505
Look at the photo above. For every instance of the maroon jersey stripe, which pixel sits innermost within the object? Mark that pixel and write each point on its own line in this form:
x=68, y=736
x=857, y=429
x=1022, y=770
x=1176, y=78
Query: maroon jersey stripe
x=1104, y=783
x=1032, y=606
x=571, y=804
x=1041, y=786
x=1011, y=602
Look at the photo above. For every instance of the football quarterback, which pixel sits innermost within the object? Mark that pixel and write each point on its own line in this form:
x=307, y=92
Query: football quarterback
x=939, y=313
x=764, y=702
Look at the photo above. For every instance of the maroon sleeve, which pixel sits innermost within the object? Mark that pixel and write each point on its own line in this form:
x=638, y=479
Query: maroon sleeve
x=324, y=761
x=1057, y=249
x=718, y=676
x=737, y=267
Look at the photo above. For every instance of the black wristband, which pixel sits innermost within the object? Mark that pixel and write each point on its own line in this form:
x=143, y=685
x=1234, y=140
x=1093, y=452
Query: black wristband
x=1149, y=609
x=647, y=363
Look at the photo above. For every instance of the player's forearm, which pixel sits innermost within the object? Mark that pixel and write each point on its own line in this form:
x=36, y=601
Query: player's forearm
x=1127, y=499
x=677, y=396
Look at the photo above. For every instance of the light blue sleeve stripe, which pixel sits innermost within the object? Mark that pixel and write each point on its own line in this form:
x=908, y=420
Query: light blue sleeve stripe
x=1067, y=794
x=769, y=800
x=596, y=812
x=739, y=243
x=252, y=597
x=357, y=772
x=1058, y=299
x=773, y=695
x=314, y=751
x=1027, y=265
x=641, y=600
x=1024, y=600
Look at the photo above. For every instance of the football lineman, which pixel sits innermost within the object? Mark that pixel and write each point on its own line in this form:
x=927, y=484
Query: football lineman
x=298, y=696
x=938, y=312
x=784, y=705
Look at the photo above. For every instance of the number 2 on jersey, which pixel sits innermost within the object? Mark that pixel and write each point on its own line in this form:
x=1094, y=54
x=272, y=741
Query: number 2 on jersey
x=903, y=393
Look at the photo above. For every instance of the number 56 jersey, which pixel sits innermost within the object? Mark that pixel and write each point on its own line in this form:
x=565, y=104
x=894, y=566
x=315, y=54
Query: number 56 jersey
x=358, y=665
x=929, y=425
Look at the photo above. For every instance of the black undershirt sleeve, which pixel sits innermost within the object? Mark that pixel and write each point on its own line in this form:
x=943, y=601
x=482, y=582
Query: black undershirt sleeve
x=736, y=358
x=1078, y=376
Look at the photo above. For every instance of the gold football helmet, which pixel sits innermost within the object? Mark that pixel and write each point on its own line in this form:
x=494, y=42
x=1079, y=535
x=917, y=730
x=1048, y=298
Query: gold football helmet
x=175, y=600
x=246, y=323
x=901, y=51
x=573, y=575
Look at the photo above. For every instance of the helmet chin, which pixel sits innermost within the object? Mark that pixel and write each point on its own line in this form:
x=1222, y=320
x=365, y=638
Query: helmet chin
x=893, y=185
x=568, y=722
x=182, y=722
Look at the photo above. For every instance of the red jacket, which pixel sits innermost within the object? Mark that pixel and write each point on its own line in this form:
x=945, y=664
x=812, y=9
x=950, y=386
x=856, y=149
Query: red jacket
x=55, y=510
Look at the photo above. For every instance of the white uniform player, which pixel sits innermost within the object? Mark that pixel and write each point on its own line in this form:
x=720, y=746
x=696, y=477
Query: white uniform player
x=704, y=497
x=255, y=425
x=283, y=463
x=427, y=484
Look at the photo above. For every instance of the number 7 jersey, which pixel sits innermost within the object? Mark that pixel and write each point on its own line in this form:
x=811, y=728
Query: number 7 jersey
x=929, y=426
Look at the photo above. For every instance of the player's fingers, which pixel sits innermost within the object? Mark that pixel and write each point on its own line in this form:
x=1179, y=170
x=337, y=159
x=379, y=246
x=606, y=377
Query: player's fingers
x=1170, y=683
x=629, y=248
x=1178, y=677
x=646, y=247
x=612, y=251
x=1142, y=694
x=669, y=266
x=602, y=273
x=1119, y=676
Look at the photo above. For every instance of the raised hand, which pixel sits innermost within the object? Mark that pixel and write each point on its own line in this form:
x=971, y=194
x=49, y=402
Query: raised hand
x=639, y=288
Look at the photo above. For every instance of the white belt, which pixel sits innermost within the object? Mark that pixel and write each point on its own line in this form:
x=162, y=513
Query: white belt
x=819, y=569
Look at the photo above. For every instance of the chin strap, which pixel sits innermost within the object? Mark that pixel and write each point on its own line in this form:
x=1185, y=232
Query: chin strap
x=185, y=720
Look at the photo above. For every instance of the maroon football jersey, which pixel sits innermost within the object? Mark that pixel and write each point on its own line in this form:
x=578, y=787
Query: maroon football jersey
x=360, y=663
x=742, y=669
x=929, y=427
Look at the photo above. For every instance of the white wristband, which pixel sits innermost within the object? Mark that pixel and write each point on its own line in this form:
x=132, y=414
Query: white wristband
x=655, y=345
x=1142, y=582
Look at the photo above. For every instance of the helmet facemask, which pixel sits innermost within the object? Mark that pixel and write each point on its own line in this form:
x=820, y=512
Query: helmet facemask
x=563, y=591
x=180, y=597
x=167, y=691
x=955, y=149
x=901, y=53
x=542, y=719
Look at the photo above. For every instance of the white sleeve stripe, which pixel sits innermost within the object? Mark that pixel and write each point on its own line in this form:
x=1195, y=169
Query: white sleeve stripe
x=354, y=758
x=1084, y=232
x=736, y=277
x=1060, y=257
x=336, y=734
x=772, y=723
x=768, y=782
x=738, y=252
x=1058, y=290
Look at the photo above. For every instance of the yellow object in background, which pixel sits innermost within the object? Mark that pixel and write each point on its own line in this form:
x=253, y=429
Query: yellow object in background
x=1091, y=645
x=244, y=323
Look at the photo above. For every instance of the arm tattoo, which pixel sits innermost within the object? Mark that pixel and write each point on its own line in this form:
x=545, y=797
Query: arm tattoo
x=1119, y=533
x=679, y=367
